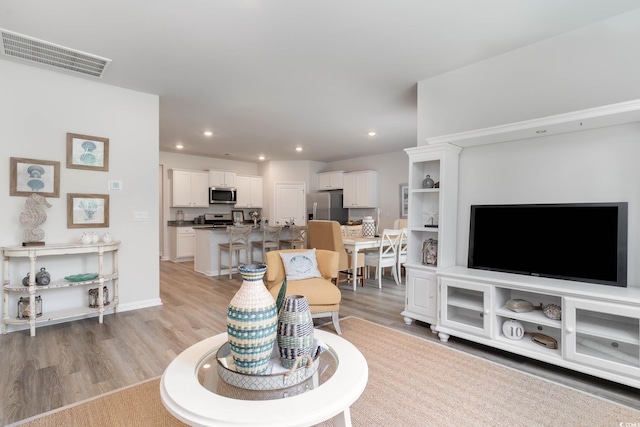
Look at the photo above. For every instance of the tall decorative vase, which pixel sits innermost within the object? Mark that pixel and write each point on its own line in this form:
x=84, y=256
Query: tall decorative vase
x=252, y=320
x=295, y=330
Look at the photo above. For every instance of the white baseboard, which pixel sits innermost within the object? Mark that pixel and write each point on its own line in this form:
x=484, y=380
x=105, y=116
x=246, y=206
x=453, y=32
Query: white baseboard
x=139, y=304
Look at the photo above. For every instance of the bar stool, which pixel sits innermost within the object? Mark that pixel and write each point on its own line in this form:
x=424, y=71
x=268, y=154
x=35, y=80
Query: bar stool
x=298, y=238
x=270, y=240
x=238, y=240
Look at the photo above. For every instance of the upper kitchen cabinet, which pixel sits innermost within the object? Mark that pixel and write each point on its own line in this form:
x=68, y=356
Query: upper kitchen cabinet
x=360, y=189
x=222, y=179
x=330, y=180
x=249, y=191
x=189, y=189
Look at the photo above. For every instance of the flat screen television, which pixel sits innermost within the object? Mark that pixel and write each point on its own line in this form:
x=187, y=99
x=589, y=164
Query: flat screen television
x=584, y=242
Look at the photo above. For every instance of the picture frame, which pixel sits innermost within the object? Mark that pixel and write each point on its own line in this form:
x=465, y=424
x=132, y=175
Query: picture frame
x=237, y=216
x=87, y=210
x=404, y=200
x=28, y=176
x=87, y=152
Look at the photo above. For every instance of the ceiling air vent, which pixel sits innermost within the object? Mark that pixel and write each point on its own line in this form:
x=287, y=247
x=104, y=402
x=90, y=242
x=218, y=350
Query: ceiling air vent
x=34, y=50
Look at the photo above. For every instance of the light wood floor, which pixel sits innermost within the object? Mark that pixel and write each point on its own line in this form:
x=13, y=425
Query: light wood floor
x=70, y=362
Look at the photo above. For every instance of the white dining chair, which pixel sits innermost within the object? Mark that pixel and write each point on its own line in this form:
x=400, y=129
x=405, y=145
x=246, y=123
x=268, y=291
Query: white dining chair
x=386, y=256
x=401, y=254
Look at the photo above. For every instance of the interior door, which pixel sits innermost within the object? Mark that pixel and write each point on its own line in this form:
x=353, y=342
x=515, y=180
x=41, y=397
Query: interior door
x=289, y=202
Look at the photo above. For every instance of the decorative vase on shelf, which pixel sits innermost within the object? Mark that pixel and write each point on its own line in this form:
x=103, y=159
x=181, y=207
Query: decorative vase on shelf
x=427, y=182
x=295, y=331
x=252, y=320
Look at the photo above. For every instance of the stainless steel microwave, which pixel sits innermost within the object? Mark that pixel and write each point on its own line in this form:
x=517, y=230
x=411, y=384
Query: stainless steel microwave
x=226, y=195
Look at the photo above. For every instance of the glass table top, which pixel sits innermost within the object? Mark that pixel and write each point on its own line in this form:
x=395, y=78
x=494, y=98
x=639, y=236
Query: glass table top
x=209, y=377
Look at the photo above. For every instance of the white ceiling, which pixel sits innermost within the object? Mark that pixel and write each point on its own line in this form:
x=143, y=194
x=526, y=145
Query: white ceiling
x=267, y=76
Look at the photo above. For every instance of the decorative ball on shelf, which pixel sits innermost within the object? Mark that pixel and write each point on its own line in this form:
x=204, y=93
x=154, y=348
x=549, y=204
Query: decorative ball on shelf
x=427, y=182
x=552, y=311
x=513, y=329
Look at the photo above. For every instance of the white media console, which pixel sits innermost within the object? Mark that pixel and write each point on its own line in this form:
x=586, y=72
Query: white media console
x=598, y=334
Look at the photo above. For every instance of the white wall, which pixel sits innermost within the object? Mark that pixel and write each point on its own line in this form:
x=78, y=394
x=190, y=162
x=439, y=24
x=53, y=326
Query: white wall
x=38, y=108
x=286, y=171
x=588, y=67
x=600, y=165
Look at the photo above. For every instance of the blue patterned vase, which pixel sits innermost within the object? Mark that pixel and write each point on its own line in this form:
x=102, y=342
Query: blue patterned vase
x=252, y=319
x=295, y=330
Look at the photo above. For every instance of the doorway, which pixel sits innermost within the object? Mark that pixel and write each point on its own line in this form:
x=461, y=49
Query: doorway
x=289, y=202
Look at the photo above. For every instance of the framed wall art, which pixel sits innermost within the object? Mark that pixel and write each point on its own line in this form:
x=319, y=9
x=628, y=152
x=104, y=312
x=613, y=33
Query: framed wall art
x=237, y=216
x=87, y=210
x=28, y=176
x=87, y=152
x=404, y=200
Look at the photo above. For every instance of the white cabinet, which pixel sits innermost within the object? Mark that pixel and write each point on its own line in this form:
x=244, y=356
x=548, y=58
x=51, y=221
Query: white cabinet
x=431, y=223
x=249, y=191
x=360, y=189
x=598, y=332
x=464, y=306
x=421, y=297
x=222, y=179
x=189, y=188
x=90, y=257
x=603, y=335
x=330, y=180
x=181, y=244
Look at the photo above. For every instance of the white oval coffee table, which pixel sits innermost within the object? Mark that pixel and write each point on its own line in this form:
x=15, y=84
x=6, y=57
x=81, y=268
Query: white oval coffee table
x=188, y=400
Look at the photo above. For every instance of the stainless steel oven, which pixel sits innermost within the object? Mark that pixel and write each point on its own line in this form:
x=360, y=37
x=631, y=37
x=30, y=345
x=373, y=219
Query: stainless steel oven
x=226, y=195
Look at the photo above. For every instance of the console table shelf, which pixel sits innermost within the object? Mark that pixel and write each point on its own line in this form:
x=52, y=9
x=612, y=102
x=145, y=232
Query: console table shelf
x=12, y=285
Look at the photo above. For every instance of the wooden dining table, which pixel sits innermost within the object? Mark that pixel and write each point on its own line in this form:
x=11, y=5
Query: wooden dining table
x=355, y=244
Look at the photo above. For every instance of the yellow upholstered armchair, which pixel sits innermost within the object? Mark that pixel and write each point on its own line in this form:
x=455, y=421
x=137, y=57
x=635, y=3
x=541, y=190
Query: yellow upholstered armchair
x=323, y=296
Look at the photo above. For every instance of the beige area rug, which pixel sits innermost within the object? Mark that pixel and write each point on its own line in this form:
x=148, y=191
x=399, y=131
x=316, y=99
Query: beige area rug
x=424, y=384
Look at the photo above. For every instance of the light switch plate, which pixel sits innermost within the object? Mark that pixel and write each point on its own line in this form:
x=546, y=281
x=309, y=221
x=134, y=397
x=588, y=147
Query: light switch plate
x=140, y=216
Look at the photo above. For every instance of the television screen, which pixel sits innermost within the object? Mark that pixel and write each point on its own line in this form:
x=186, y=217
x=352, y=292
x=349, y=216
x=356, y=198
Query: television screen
x=581, y=241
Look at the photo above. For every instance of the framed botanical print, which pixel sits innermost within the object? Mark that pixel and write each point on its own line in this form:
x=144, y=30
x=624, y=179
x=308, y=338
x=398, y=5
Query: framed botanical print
x=87, y=152
x=87, y=210
x=404, y=200
x=28, y=176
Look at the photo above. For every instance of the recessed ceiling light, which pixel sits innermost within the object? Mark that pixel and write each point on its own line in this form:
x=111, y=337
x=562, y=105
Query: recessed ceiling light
x=179, y=146
x=208, y=133
x=261, y=158
x=372, y=133
x=298, y=148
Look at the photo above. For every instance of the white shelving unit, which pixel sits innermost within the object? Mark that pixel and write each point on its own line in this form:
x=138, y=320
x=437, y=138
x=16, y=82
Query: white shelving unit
x=599, y=332
x=441, y=164
x=33, y=253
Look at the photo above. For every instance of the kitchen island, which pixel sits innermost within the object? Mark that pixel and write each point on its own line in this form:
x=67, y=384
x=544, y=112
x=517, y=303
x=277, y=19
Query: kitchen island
x=206, y=248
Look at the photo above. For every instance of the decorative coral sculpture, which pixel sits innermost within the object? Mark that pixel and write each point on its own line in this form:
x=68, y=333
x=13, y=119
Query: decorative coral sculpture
x=34, y=216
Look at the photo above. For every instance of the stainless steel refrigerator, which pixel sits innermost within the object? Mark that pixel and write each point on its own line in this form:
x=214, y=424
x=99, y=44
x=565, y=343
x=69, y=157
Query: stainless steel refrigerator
x=327, y=205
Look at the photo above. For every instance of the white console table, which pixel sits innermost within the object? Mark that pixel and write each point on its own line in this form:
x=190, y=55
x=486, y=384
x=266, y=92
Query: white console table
x=63, y=249
x=598, y=334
